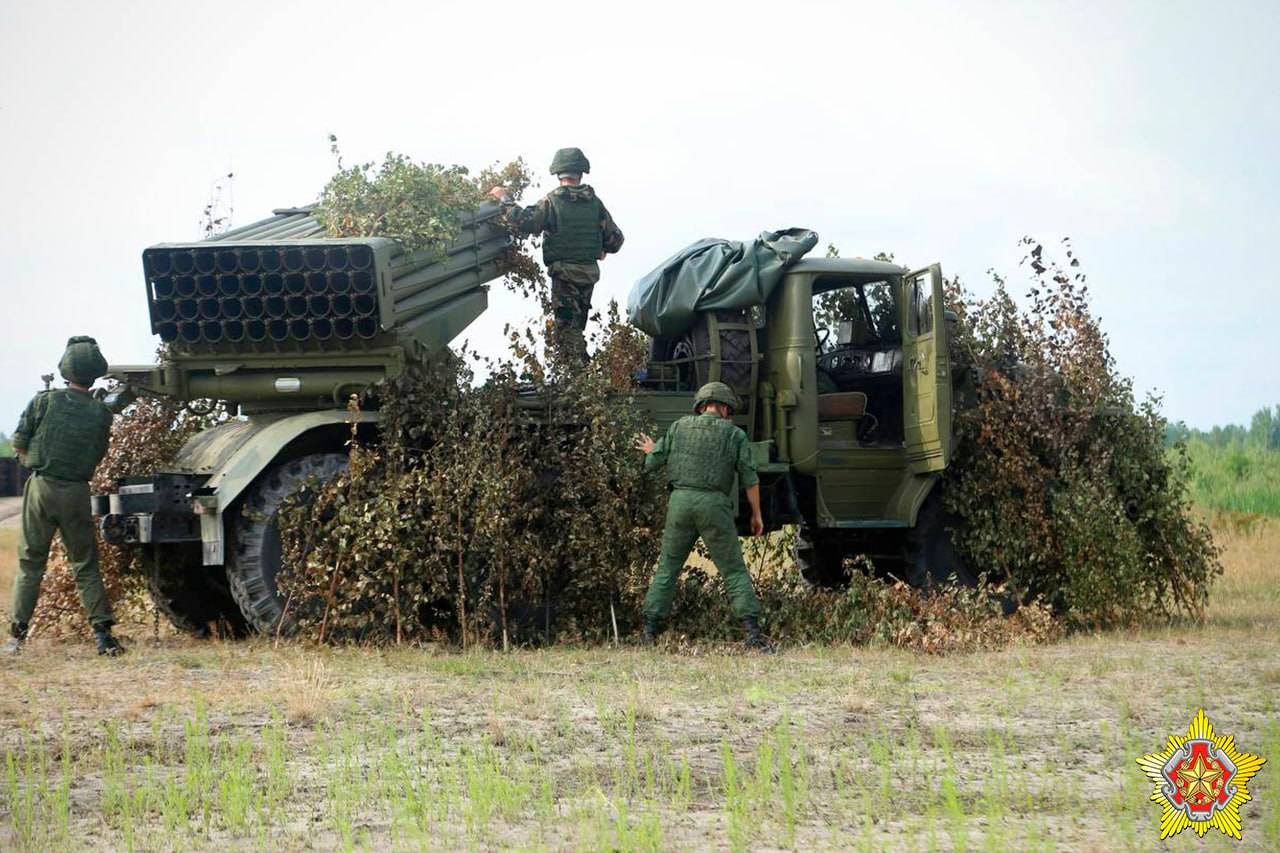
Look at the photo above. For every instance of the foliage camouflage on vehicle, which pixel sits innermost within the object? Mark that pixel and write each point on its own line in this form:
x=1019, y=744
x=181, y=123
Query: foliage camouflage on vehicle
x=1060, y=476
x=506, y=512
x=420, y=205
x=478, y=519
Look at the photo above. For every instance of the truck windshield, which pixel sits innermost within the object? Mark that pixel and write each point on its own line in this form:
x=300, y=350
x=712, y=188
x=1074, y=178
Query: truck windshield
x=860, y=315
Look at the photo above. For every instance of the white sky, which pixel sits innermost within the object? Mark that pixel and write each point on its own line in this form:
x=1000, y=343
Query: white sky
x=941, y=132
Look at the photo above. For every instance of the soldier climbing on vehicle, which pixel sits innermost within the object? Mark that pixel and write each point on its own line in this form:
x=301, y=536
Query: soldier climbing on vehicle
x=578, y=233
x=62, y=436
x=703, y=454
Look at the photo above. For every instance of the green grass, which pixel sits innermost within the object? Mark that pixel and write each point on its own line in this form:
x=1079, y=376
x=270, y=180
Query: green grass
x=1235, y=479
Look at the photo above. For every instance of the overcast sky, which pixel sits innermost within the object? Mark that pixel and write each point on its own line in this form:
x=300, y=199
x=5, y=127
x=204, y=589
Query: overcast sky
x=944, y=132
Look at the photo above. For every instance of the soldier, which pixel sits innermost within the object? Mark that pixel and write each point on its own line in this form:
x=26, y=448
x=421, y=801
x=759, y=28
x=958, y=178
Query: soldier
x=577, y=234
x=61, y=437
x=702, y=453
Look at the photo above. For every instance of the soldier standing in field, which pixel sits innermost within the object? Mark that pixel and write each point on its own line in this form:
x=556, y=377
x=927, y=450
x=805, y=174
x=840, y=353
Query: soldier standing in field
x=577, y=232
x=703, y=453
x=61, y=437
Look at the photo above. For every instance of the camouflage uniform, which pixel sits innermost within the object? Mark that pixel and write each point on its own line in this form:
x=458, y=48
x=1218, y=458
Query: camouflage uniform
x=63, y=435
x=702, y=454
x=577, y=232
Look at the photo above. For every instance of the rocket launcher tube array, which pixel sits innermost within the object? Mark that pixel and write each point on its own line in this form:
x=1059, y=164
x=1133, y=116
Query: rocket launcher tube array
x=281, y=285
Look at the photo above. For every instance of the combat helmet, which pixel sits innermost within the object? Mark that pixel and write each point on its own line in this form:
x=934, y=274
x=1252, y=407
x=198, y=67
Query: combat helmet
x=715, y=392
x=82, y=362
x=570, y=160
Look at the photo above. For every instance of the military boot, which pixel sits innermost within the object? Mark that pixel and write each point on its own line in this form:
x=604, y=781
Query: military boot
x=651, y=631
x=755, y=638
x=17, y=636
x=107, y=644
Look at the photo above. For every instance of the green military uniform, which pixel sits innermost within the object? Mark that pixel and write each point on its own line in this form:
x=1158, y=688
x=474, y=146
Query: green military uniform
x=703, y=454
x=63, y=435
x=577, y=232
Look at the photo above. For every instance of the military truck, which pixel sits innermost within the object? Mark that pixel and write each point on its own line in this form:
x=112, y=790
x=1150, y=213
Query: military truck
x=845, y=375
x=847, y=382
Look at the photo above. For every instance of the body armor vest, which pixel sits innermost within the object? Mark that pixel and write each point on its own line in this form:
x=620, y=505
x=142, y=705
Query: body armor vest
x=71, y=438
x=702, y=454
x=578, y=238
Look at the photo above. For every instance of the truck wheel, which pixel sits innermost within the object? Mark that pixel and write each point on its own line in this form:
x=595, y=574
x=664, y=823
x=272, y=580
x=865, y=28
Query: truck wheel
x=191, y=595
x=255, y=537
x=930, y=553
x=820, y=559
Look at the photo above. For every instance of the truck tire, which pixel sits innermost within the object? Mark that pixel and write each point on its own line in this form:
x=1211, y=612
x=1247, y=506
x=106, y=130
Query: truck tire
x=254, y=546
x=930, y=554
x=735, y=355
x=191, y=595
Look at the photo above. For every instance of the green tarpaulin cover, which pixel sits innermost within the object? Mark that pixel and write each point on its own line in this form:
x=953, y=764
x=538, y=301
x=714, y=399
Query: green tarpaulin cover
x=713, y=274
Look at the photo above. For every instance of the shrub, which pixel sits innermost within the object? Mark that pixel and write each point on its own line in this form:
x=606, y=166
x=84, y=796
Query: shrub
x=508, y=512
x=420, y=205
x=1060, y=476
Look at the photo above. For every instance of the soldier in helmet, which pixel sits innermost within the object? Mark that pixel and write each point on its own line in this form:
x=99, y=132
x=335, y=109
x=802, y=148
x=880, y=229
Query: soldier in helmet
x=577, y=234
x=61, y=437
x=703, y=453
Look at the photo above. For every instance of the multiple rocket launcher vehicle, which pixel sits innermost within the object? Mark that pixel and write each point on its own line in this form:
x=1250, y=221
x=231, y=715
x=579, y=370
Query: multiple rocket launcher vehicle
x=851, y=426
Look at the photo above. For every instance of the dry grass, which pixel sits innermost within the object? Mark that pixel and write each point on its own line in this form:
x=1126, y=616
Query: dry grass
x=186, y=745
x=1249, y=590
x=306, y=694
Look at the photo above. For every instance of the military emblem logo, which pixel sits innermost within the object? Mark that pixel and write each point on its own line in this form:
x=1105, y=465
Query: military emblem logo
x=1200, y=780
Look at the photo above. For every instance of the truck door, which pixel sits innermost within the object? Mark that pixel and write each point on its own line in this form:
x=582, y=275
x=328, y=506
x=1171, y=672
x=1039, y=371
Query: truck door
x=926, y=383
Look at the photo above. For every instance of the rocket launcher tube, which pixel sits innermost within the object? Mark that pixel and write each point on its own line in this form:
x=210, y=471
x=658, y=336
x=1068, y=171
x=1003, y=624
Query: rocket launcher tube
x=443, y=291
x=255, y=331
x=415, y=282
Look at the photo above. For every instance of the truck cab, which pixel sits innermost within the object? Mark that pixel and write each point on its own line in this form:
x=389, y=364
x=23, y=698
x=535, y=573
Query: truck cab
x=846, y=381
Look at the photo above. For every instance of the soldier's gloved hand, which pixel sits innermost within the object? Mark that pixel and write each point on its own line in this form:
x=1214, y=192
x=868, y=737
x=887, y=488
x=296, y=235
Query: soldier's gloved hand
x=757, y=525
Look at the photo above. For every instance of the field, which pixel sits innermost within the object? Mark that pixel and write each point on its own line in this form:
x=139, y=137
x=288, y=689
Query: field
x=1235, y=479
x=186, y=745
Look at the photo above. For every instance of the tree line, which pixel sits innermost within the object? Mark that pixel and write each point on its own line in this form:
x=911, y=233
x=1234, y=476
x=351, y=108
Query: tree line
x=1263, y=432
